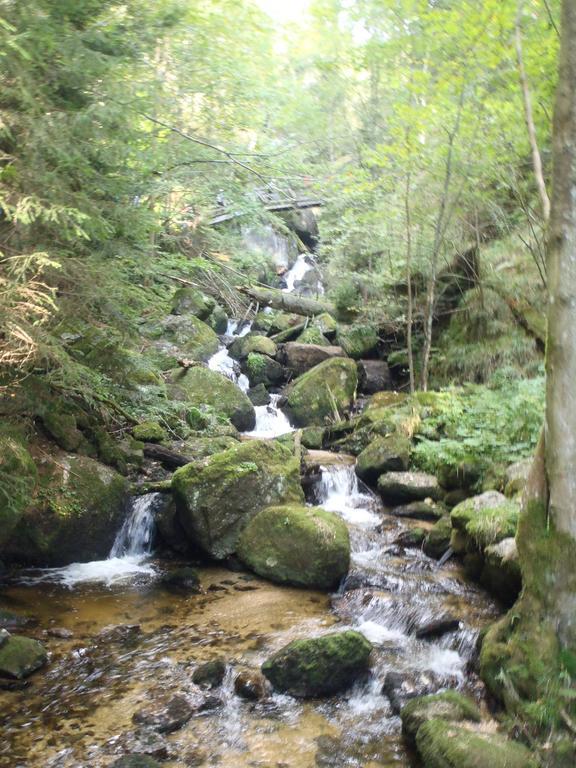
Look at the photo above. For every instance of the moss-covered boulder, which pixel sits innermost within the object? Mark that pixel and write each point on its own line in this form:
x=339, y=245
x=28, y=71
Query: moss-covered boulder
x=272, y=322
x=404, y=487
x=201, y=447
x=312, y=335
x=486, y=519
x=442, y=744
x=62, y=426
x=501, y=574
x=20, y=656
x=217, y=497
x=218, y=320
x=324, y=393
x=302, y=546
x=18, y=478
x=184, y=336
x=262, y=369
x=358, y=341
x=384, y=454
x=313, y=437
x=516, y=477
x=74, y=515
x=202, y=388
x=190, y=301
x=326, y=324
x=244, y=345
x=319, y=666
x=149, y=432
x=438, y=539
x=448, y=705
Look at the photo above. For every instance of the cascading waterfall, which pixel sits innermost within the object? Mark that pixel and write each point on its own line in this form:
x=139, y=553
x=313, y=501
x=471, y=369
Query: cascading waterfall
x=127, y=559
x=270, y=420
x=223, y=363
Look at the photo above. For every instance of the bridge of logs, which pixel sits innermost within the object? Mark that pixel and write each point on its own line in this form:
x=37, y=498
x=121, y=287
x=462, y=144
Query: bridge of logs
x=272, y=200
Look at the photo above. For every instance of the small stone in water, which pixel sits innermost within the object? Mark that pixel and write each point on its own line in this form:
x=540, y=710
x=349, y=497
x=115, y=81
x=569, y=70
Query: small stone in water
x=437, y=627
x=251, y=685
x=211, y=674
x=61, y=633
x=165, y=716
x=121, y=633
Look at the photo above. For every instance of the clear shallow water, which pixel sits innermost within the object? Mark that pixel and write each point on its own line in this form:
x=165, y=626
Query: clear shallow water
x=79, y=713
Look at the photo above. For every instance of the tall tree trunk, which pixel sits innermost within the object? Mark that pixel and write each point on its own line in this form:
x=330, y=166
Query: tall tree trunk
x=410, y=309
x=561, y=353
x=529, y=118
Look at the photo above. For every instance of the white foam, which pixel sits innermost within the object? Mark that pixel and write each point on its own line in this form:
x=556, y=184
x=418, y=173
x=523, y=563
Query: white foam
x=114, y=570
x=378, y=634
x=339, y=492
x=270, y=420
x=444, y=663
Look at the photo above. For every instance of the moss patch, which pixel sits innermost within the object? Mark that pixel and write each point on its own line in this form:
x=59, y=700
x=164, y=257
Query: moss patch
x=324, y=393
x=448, y=705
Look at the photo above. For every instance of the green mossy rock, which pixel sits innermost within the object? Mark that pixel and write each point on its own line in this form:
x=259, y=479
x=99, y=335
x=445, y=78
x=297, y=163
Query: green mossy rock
x=313, y=438
x=183, y=336
x=445, y=745
x=259, y=395
x=324, y=392
x=218, y=320
x=358, y=341
x=320, y=666
x=189, y=301
x=135, y=761
x=486, y=519
x=313, y=335
x=501, y=574
x=404, y=487
x=384, y=454
x=62, y=427
x=202, y=447
x=301, y=546
x=217, y=497
x=18, y=478
x=448, y=705
x=325, y=324
x=516, y=477
x=20, y=656
x=275, y=322
x=74, y=516
x=200, y=387
x=261, y=369
x=149, y=432
x=242, y=346
x=438, y=539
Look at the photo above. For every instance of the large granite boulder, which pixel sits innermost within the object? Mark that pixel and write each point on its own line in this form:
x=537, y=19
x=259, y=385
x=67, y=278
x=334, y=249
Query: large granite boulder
x=217, y=497
x=302, y=546
x=202, y=388
x=324, y=393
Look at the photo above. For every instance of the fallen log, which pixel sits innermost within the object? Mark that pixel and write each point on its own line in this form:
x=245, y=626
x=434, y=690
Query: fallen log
x=287, y=302
x=165, y=456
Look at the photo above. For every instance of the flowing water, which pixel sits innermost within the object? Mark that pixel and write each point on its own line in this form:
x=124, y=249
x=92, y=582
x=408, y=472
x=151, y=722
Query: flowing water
x=270, y=421
x=222, y=362
x=79, y=713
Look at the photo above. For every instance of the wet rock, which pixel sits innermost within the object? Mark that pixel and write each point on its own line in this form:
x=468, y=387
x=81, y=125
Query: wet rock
x=119, y=633
x=190, y=301
x=262, y=369
x=61, y=633
x=404, y=487
x=413, y=537
x=259, y=395
x=166, y=715
x=200, y=387
x=169, y=527
x=358, y=341
x=297, y=545
x=455, y=746
x=419, y=510
x=135, y=761
x=251, y=685
x=21, y=656
x=323, y=392
x=242, y=346
x=438, y=539
x=299, y=357
x=195, y=756
x=319, y=666
x=330, y=753
x=449, y=705
x=437, y=627
x=218, y=320
x=211, y=674
x=76, y=517
x=10, y=620
x=399, y=688
x=183, y=579
x=217, y=497
x=373, y=376
x=384, y=454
